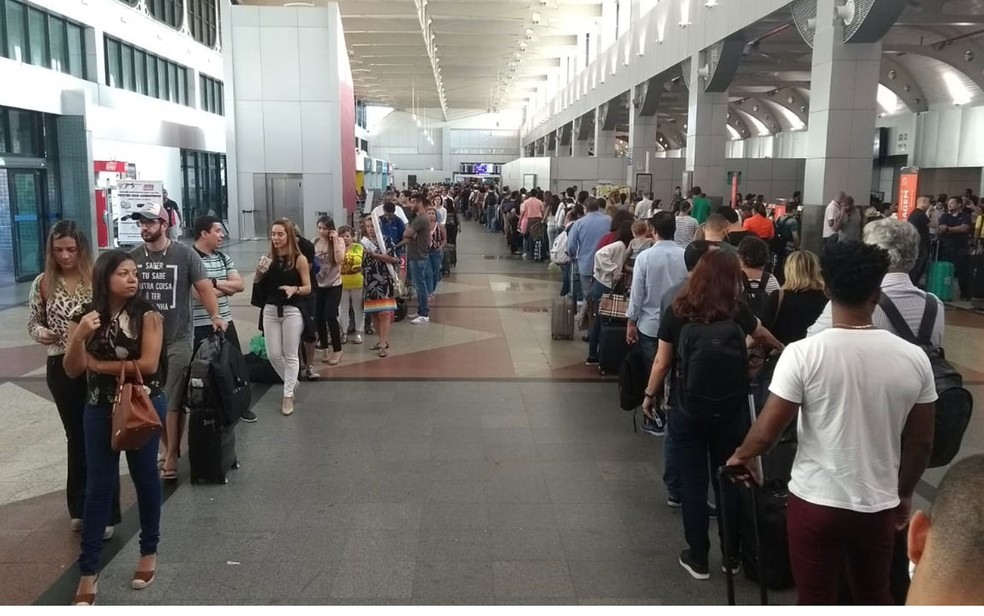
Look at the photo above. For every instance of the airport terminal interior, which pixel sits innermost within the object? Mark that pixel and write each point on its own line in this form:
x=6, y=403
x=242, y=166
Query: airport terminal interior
x=481, y=455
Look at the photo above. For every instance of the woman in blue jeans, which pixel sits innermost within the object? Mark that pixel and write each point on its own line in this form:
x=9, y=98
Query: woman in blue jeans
x=712, y=295
x=118, y=325
x=608, y=266
x=436, y=255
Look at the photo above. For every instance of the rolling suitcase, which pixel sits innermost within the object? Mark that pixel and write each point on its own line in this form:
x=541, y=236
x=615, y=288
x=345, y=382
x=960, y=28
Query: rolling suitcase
x=562, y=315
x=612, y=346
x=725, y=474
x=211, y=447
x=940, y=280
x=975, y=266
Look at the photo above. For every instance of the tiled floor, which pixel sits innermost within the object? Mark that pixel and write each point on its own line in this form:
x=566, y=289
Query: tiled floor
x=480, y=463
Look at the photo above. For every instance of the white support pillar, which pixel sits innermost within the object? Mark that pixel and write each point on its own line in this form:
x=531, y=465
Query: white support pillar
x=604, y=140
x=642, y=142
x=707, y=135
x=843, y=110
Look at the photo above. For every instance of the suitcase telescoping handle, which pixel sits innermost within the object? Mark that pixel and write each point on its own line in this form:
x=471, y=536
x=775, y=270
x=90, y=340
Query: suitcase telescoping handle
x=728, y=478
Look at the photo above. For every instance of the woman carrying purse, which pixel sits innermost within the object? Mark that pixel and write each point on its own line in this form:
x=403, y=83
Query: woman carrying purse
x=118, y=331
x=64, y=287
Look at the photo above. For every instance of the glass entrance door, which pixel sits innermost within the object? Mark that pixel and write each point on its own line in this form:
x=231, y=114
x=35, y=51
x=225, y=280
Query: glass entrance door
x=27, y=210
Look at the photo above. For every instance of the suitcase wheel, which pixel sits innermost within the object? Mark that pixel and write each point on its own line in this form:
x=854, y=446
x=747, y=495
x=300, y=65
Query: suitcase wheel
x=235, y=465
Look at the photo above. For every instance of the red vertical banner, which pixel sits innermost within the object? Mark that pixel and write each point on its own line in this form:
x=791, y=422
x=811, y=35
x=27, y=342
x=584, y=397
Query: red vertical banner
x=908, y=191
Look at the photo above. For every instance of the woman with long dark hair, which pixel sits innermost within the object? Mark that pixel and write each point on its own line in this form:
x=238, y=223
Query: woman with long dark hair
x=64, y=287
x=711, y=296
x=284, y=276
x=330, y=252
x=380, y=289
x=118, y=326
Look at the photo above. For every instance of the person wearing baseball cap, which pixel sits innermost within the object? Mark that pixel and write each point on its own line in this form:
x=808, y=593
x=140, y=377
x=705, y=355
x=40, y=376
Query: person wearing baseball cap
x=167, y=272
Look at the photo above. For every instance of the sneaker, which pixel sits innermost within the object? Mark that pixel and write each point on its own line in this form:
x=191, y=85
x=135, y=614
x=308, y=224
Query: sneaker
x=248, y=416
x=413, y=317
x=655, y=426
x=673, y=502
x=357, y=339
x=696, y=570
x=311, y=374
x=735, y=566
x=344, y=338
x=591, y=361
x=108, y=533
x=421, y=320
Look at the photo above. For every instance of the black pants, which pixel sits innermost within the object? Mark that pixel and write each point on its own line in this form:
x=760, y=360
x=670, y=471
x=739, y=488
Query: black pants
x=69, y=395
x=328, y=301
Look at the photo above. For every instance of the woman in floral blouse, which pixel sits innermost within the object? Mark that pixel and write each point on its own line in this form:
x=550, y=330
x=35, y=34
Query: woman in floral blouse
x=66, y=285
x=117, y=331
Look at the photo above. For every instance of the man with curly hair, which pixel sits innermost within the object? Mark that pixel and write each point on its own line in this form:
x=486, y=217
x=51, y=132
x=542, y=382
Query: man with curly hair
x=865, y=400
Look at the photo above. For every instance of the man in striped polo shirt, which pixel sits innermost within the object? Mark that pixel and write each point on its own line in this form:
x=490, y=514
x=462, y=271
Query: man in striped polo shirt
x=225, y=280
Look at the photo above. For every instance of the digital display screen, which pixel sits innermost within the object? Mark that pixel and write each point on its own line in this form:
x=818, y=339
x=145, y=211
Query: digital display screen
x=481, y=169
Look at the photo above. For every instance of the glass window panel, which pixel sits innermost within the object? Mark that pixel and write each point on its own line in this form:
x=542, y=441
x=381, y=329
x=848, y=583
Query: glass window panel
x=152, y=88
x=140, y=70
x=56, y=37
x=114, y=75
x=220, y=99
x=162, y=79
x=38, y=43
x=182, y=85
x=16, y=35
x=3, y=132
x=172, y=82
x=127, y=68
x=24, y=129
x=76, y=51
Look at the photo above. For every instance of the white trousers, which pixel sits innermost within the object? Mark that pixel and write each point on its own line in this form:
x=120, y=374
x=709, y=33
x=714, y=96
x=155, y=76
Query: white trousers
x=283, y=339
x=353, y=297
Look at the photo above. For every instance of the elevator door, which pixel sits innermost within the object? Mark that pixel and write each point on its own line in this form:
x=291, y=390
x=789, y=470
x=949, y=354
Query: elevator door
x=276, y=196
x=26, y=212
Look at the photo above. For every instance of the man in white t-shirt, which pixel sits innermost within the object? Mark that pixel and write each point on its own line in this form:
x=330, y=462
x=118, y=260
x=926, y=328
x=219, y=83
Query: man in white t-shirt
x=644, y=209
x=831, y=215
x=865, y=400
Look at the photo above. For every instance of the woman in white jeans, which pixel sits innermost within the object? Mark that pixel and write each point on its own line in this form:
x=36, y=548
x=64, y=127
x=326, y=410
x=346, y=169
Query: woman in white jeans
x=352, y=282
x=284, y=277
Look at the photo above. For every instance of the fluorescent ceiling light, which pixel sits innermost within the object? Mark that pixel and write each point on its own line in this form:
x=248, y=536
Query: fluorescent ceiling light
x=959, y=91
x=889, y=102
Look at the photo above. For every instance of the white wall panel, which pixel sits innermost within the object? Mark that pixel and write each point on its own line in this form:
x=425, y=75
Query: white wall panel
x=246, y=69
x=279, y=63
x=314, y=50
x=250, y=144
x=281, y=136
x=319, y=129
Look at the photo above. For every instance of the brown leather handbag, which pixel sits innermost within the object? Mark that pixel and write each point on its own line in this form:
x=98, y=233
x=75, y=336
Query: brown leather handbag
x=135, y=420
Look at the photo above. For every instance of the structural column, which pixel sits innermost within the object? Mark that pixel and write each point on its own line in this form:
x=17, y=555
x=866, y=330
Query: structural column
x=707, y=135
x=642, y=142
x=843, y=109
x=604, y=140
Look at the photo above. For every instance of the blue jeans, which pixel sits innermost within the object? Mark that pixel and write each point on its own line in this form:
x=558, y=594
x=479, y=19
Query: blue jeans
x=594, y=336
x=103, y=478
x=694, y=440
x=420, y=274
x=436, y=259
x=490, y=217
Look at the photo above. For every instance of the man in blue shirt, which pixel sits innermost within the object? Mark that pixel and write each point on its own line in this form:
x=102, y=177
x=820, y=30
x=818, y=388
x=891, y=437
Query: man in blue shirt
x=954, y=228
x=582, y=242
x=391, y=225
x=657, y=269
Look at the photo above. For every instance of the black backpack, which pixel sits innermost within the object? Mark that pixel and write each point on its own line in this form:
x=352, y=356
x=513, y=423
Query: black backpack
x=218, y=380
x=955, y=404
x=754, y=292
x=632, y=379
x=712, y=368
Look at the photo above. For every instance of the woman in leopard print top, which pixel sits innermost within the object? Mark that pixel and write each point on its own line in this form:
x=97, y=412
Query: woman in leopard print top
x=62, y=289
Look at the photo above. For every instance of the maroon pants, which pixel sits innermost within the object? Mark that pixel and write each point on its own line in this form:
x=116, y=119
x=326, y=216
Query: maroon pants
x=820, y=538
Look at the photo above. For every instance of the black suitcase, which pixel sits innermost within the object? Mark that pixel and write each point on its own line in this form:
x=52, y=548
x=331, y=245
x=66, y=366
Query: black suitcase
x=211, y=447
x=724, y=480
x=768, y=510
x=612, y=347
x=975, y=265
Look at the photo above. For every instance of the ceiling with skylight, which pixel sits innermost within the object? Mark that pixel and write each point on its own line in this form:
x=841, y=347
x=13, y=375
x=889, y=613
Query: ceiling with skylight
x=445, y=59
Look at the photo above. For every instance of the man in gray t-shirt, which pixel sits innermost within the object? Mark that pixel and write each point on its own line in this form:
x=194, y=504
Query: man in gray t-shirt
x=418, y=237
x=168, y=271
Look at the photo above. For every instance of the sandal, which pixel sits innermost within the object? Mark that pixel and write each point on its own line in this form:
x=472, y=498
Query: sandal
x=169, y=474
x=383, y=350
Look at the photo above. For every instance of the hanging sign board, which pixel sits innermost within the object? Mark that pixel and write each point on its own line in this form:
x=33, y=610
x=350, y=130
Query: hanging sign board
x=908, y=191
x=130, y=197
